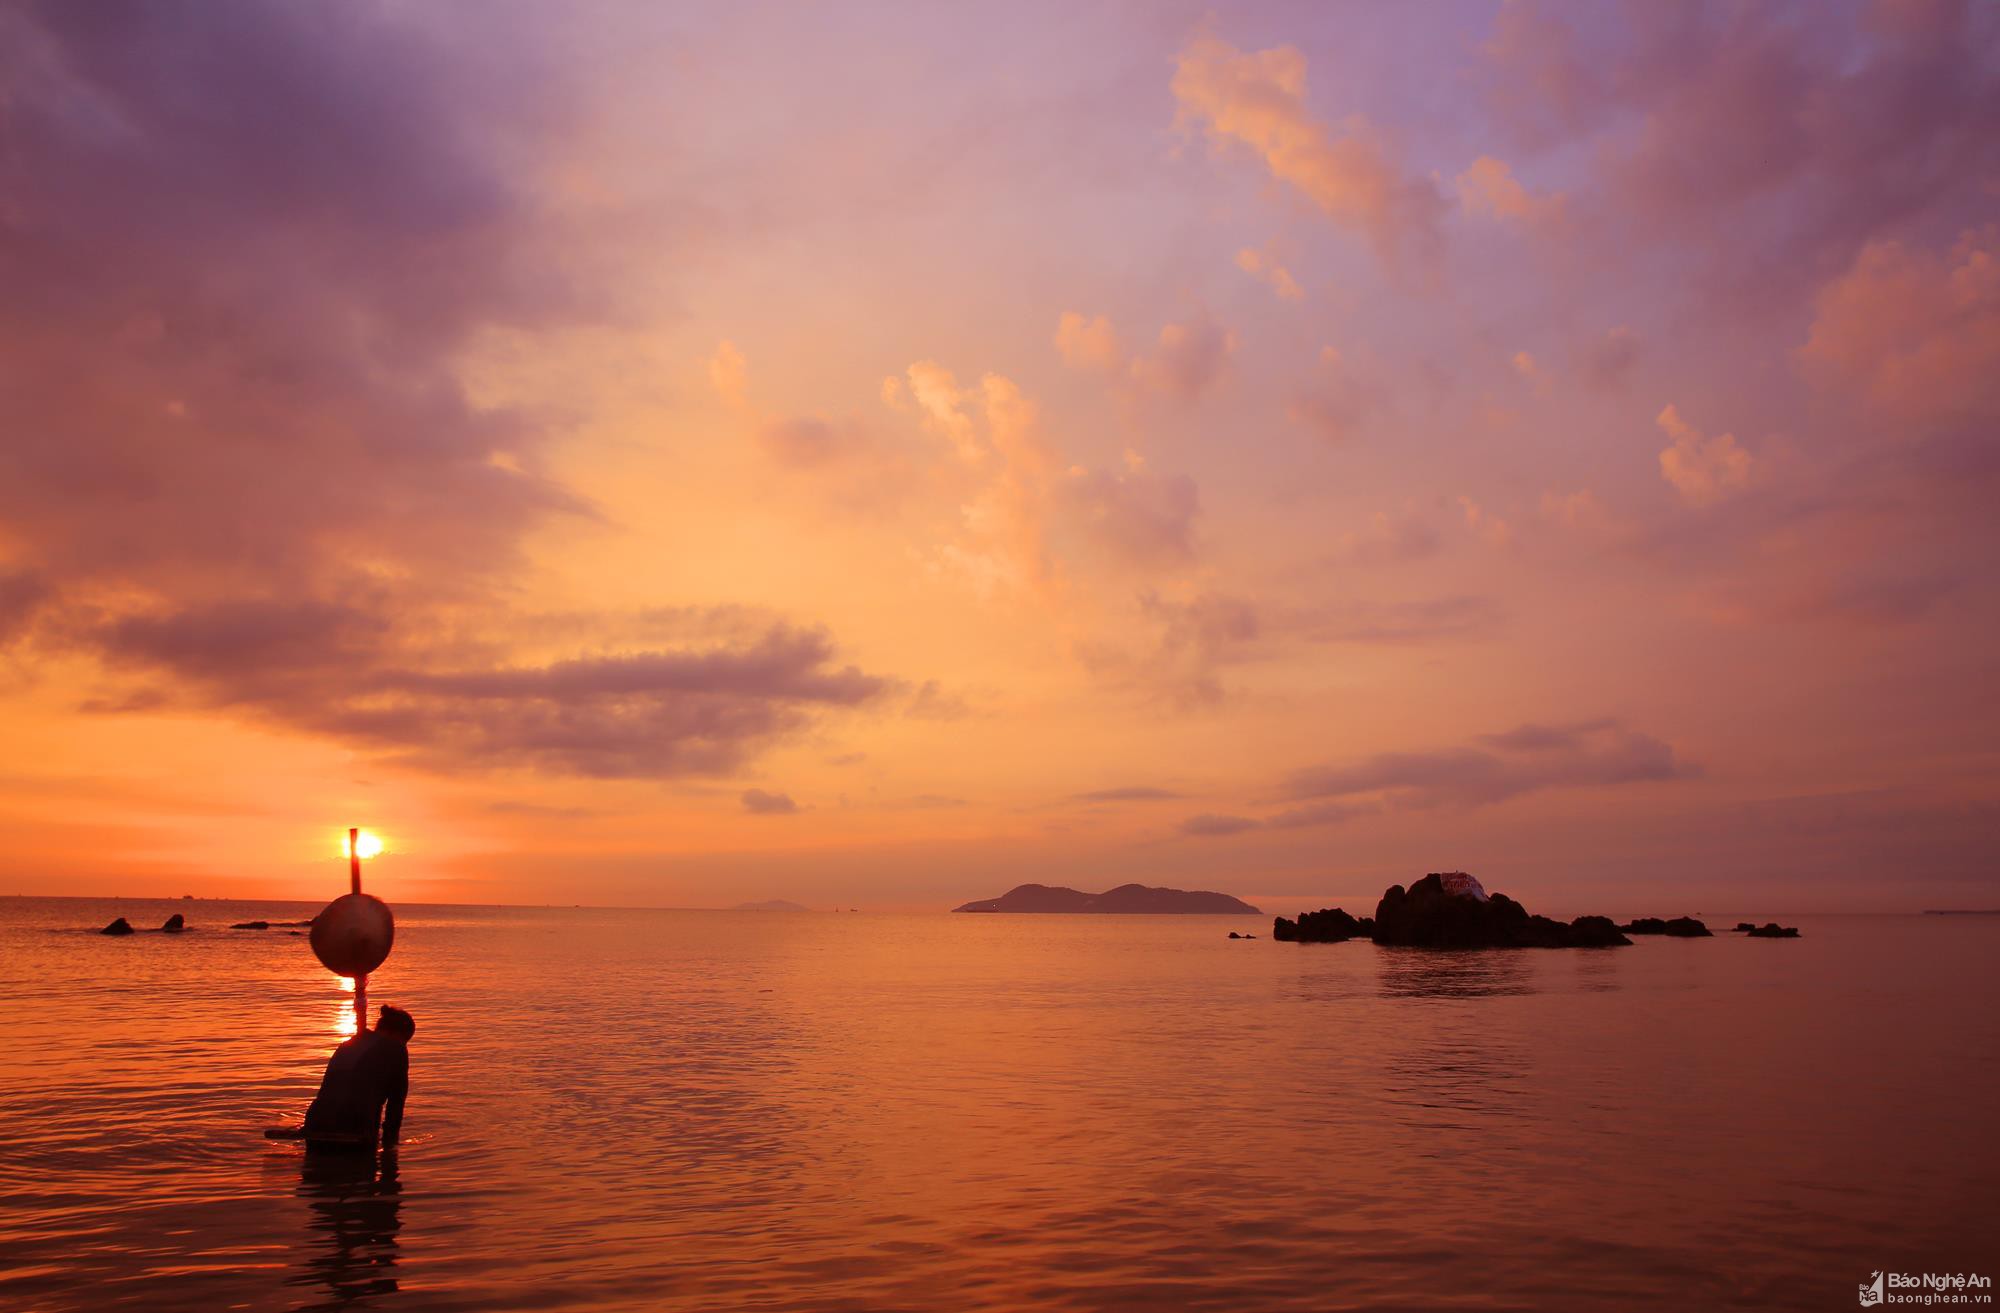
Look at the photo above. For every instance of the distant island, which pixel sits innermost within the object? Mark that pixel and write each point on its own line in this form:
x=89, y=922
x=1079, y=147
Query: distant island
x=1126, y=899
x=771, y=905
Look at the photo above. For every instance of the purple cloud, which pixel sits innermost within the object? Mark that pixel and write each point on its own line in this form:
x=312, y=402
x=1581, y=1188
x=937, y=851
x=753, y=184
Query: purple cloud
x=759, y=803
x=1210, y=825
x=247, y=249
x=1522, y=760
x=1526, y=759
x=340, y=671
x=1130, y=793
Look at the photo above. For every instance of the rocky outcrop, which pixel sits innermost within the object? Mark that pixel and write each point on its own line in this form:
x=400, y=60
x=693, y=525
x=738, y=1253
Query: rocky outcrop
x=1449, y=909
x=174, y=924
x=1772, y=930
x=1329, y=925
x=1234, y=935
x=119, y=927
x=1681, y=927
x=1746, y=925
x=1427, y=916
x=1125, y=899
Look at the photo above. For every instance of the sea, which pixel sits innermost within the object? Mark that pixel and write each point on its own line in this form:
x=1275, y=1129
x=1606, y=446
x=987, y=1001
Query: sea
x=704, y=1110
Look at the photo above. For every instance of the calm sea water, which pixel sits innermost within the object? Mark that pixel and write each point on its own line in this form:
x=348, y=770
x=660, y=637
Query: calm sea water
x=707, y=1110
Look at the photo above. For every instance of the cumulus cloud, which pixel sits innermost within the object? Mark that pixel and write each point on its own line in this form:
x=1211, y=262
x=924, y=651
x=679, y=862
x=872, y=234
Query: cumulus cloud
x=1258, y=100
x=1915, y=331
x=1186, y=645
x=1136, y=516
x=1386, y=540
x=806, y=441
x=1702, y=469
x=1186, y=361
x=1089, y=343
x=759, y=803
x=1484, y=524
x=1337, y=401
x=1265, y=267
x=1026, y=519
x=1580, y=510
x=1188, y=358
x=1490, y=188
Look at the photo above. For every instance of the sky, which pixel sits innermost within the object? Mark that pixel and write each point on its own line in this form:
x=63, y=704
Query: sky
x=876, y=455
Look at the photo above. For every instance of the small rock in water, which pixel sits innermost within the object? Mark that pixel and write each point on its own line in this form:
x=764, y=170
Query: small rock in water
x=119, y=927
x=1772, y=930
x=1746, y=925
x=251, y=925
x=1681, y=927
x=1329, y=925
x=175, y=924
x=1234, y=935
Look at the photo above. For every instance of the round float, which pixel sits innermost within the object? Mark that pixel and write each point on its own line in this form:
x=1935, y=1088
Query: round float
x=352, y=934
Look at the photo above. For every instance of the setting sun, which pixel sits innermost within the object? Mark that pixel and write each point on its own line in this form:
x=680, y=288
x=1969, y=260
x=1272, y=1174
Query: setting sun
x=366, y=844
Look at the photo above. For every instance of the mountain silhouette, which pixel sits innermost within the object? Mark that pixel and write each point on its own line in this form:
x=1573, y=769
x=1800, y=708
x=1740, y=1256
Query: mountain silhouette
x=1126, y=899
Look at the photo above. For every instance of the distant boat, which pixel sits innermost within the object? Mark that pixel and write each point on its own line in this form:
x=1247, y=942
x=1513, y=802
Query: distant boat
x=1126, y=899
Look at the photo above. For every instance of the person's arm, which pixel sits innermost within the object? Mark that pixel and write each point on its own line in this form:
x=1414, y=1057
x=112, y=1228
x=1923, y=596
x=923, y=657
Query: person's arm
x=399, y=1090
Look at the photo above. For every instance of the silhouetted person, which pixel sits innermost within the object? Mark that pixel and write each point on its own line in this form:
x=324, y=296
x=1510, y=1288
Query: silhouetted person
x=366, y=1081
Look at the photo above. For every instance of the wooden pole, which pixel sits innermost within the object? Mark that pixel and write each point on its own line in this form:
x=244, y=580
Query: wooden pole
x=354, y=886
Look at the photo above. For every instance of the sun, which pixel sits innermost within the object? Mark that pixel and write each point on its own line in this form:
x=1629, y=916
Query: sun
x=366, y=844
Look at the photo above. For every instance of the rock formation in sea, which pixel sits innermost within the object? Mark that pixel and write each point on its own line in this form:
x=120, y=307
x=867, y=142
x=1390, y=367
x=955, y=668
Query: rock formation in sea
x=119, y=927
x=1449, y=909
x=174, y=924
x=1330, y=925
x=1681, y=927
x=1125, y=899
x=1427, y=916
x=1772, y=930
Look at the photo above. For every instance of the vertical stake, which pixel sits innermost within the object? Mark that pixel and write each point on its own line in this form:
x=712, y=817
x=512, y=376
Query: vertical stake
x=354, y=886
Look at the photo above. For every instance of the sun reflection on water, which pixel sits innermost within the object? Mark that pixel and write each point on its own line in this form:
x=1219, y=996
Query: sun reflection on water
x=343, y=1012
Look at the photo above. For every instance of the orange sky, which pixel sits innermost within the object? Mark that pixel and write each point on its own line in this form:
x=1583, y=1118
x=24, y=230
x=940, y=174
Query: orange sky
x=878, y=456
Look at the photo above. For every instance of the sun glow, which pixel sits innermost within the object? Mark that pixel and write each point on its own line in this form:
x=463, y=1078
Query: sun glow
x=366, y=844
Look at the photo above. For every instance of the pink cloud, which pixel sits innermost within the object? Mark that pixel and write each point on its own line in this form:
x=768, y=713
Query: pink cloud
x=1916, y=332
x=1258, y=100
x=1701, y=469
x=1490, y=188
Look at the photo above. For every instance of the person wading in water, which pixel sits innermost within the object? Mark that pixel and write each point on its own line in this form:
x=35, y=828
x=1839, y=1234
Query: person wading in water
x=366, y=1081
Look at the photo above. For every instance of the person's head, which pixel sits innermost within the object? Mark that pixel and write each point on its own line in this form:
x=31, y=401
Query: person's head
x=396, y=1023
